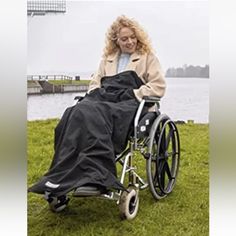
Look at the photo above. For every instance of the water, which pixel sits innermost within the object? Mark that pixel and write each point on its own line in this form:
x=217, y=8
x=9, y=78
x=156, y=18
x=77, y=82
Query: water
x=185, y=99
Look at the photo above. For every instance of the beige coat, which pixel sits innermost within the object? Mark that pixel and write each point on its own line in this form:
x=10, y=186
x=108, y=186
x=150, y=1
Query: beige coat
x=147, y=68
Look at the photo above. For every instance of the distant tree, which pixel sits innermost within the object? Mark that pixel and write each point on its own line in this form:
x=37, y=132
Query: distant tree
x=188, y=71
x=171, y=72
x=180, y=72
x=204, y=71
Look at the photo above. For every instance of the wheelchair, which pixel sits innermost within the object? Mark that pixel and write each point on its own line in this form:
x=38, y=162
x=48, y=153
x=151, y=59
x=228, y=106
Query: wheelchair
x=156, y=137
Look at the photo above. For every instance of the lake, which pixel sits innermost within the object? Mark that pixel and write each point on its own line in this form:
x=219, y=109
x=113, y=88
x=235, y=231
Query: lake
x=185, y=99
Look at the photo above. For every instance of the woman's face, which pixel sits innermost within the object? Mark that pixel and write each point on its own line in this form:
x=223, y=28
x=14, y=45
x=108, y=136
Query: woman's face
x=127, y=40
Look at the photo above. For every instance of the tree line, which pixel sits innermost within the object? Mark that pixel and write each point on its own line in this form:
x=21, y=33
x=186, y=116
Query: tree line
x=188, y=71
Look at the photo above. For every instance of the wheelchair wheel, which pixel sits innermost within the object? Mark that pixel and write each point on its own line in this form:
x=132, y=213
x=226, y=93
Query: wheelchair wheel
x=163, y=163
x=129, y=204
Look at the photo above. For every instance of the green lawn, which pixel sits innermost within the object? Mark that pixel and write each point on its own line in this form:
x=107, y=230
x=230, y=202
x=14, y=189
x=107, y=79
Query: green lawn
x=185, y=212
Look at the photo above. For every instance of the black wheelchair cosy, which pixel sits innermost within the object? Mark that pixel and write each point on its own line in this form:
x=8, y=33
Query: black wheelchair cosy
x=89, y=136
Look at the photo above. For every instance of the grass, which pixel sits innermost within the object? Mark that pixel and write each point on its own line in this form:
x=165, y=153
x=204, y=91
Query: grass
x=185, y=212
x=74, y=82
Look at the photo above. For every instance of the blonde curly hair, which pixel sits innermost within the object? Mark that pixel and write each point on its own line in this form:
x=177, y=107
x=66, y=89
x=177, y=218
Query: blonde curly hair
x=111, y=46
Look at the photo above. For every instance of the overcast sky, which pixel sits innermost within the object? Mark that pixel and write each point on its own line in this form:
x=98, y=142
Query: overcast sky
x=72, y=43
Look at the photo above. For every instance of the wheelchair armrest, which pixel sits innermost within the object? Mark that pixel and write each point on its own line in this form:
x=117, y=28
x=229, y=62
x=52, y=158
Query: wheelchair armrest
x=151, y=99
x=79, y=98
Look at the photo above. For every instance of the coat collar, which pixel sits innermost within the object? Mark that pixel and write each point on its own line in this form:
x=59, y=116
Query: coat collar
x=113, y=58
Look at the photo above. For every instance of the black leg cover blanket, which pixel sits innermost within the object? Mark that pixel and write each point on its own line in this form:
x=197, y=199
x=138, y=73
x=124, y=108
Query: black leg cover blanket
x=90, y=134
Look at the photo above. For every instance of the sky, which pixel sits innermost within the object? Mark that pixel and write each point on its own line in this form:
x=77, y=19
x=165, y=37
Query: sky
x=72, y=43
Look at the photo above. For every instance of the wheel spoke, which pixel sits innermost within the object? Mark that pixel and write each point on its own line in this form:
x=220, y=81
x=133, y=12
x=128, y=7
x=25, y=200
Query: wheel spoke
x=163, y=142
x=160, y=173
x=168, y=172
x=172, y=154
x=160, y=165
x=155, y=179
x=162, y=177
x=168, y=138
x=161, y=158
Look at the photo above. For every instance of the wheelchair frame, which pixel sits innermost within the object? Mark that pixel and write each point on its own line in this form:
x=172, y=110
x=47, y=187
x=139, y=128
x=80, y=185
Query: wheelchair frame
x=128, y=201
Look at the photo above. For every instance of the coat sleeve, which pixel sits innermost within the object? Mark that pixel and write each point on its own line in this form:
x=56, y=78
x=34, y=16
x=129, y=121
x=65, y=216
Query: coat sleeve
x=155, y=83
x=96, y=78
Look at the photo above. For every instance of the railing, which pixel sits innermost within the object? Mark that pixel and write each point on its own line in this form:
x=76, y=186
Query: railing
x=49, y=77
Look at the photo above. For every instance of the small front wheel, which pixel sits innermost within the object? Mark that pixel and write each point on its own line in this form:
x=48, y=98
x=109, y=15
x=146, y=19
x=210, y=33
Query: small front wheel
x=129, y=204
x=57, y=204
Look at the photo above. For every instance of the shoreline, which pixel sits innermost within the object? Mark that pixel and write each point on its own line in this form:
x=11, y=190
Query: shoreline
x=44, y=87
x=178, y=122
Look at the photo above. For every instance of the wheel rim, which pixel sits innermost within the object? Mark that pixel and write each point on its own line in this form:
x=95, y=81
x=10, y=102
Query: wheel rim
x=163, y=163
x=132, y=204
x=167, y=157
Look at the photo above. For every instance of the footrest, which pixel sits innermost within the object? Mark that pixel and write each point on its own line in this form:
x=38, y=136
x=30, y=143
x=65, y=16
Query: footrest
x=86, y=191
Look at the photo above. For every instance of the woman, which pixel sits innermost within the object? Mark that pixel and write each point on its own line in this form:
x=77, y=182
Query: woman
x=128, y=48
x=91, y=133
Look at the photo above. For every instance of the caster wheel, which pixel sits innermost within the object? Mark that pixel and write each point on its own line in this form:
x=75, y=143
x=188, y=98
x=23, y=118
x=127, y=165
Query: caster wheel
x=129, y=204
x=57, y=204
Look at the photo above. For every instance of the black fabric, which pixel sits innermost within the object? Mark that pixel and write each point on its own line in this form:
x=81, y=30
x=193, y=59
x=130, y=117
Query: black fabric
x=90, y=134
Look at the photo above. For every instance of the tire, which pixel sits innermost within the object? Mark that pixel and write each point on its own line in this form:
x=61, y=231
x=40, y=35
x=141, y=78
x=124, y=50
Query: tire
x=163, y=163
x=129, y=204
